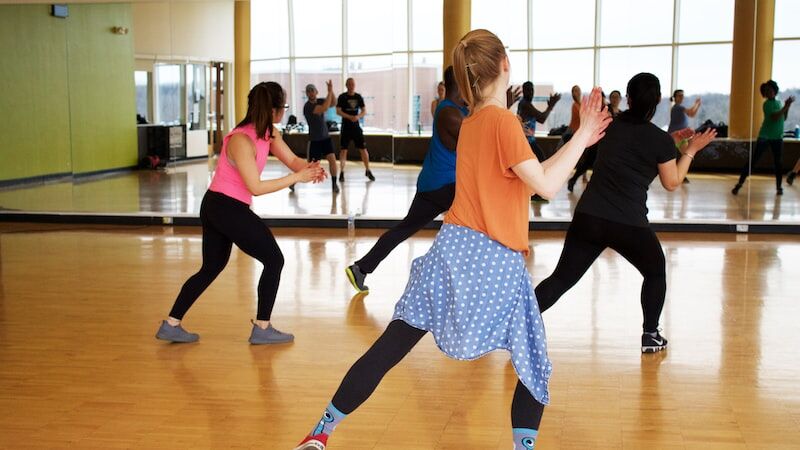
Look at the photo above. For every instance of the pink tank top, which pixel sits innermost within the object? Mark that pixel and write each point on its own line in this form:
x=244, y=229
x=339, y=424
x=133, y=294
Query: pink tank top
x=226, y=178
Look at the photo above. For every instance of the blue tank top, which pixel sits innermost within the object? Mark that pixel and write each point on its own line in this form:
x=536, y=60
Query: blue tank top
x=439, y=167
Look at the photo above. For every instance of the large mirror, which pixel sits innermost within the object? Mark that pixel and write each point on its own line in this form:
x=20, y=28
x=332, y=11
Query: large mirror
x=180, y=56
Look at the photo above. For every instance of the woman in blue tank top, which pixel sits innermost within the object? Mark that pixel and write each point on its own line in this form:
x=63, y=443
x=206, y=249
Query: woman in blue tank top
x=436, y=186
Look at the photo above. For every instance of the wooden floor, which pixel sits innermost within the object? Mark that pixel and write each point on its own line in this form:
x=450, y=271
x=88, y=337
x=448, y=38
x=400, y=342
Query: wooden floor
x=80, y=368
x=179, y=190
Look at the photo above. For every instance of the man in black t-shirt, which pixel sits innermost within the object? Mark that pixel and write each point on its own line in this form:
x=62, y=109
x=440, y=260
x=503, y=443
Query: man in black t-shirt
x=350, y=106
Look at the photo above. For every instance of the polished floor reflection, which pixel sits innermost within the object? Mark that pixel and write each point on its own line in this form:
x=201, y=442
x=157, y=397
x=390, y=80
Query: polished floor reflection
x=179, y=190
x=79, y=366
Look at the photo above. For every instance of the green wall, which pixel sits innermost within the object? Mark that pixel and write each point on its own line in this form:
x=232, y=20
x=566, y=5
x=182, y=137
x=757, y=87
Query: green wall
x=68, y=99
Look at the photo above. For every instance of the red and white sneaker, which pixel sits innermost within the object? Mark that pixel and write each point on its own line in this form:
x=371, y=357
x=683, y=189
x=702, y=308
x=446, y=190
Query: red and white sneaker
x=313, y=443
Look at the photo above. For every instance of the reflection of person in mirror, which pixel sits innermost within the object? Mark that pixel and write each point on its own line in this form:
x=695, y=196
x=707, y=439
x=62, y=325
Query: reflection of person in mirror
x=227, y=219
x=350, y=106
x=679, y=115
x=440, y=96
x=587, y=161
x=320, y=144
x=435, y=184
x=612, y=213
x=529, y=115
x=477, y=261
x=770, y=135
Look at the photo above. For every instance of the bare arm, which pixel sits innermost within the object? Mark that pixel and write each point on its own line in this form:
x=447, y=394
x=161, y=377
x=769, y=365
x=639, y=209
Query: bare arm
x=448, y=124
x=330, y=99
x=547, y=178
x=242, y=153
x=540, y=116
x=691, y=112
x=783, y=111
x=672, y=173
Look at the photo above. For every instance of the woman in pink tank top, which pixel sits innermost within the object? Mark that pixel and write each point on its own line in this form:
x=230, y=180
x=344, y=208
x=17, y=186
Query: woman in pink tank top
x=227, y=218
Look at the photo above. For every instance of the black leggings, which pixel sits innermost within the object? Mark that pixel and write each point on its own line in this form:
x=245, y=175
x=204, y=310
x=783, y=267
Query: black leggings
x=424, y=208
x=393, y=345
x=227, y=221
x=587, y=237
x=776, y=145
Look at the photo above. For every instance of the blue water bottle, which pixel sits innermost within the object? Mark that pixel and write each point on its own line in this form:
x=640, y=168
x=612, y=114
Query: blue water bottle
x=797, y=131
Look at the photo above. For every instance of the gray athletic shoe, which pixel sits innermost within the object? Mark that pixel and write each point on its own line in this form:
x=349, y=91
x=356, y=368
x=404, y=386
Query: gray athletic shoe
x=167, y=332
x=269, y=336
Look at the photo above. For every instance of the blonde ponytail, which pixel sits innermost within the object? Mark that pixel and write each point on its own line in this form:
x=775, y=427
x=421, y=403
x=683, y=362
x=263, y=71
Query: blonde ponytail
x=476, y=63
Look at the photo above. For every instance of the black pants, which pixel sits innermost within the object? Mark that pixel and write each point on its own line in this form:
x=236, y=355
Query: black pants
x=776, y=145
x=227, y=221
x=393, y=345
x=585, y=163
x=587, y=237
x=424, y=208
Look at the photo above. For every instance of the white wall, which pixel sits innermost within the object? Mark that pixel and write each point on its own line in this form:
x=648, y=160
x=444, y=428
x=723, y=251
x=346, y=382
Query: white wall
x=183, y=30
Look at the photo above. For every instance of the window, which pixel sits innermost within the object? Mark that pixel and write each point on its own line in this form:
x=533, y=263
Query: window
x=317, y=27
x=169, y=83
x=786, y=72
x=426, y=77
x=316, y=71
x=373, y=76
x=706, y=20
x=705, y=71
x=196, y=96
x=786, y=14
x=562, y=23
x=506, y=18
x=142, y=81
x=426, y=23
x=370, y=27
x=558, y=71
x=519, y=66
x=269, y=29
x=636, y=22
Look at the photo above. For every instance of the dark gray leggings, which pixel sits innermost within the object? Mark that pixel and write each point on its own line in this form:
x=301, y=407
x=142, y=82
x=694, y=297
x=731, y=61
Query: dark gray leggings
x=587, y=237
x=393, y=345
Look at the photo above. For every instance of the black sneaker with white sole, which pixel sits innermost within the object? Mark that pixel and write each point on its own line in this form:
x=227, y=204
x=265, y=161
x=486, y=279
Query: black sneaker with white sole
x=652, y=344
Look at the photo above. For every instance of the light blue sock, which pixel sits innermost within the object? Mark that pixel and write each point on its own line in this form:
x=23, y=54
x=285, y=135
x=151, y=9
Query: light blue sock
x=524, y=438
x=330, y=418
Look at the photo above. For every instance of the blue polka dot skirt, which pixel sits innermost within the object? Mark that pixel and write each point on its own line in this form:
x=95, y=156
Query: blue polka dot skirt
x=475, y=295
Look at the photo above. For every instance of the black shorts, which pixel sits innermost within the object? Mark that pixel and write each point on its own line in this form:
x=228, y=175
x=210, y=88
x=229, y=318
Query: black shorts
x=352, y=134
x=319, y=150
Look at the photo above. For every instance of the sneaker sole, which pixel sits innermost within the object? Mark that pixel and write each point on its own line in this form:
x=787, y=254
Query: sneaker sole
x=654, y=349
x=162, y=338
x=287, y=341
x=311, y=445
x=352, y=279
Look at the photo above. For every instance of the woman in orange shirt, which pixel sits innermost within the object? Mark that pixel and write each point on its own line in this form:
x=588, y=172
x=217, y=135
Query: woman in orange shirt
x=472, y=290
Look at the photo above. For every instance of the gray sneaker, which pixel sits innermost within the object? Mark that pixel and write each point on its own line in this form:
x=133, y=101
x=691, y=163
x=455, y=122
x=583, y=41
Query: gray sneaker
x=167, y=332
x=269, y=336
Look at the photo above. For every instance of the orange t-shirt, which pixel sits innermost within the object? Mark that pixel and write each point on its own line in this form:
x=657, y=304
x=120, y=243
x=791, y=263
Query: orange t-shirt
x=575, y=120
x=490, y=198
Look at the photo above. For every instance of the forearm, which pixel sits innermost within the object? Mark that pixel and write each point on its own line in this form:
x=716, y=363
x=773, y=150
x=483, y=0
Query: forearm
x=557, y=169
x=541, y=116
x=268, y=186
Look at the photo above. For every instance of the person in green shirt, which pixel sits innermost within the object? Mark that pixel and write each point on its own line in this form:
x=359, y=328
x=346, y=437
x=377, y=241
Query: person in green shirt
x=770, y=135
